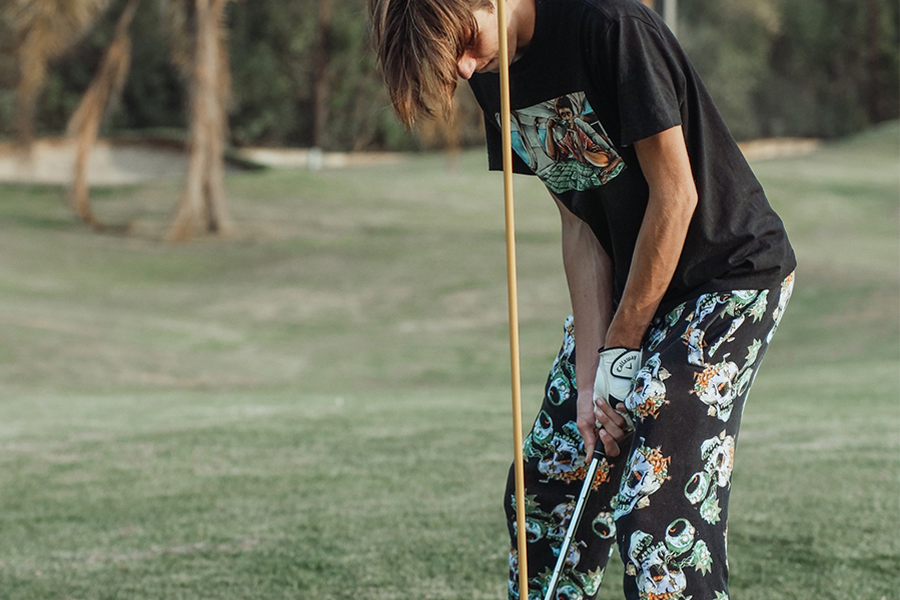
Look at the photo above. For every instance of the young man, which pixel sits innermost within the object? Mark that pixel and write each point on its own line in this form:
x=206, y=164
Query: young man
x=678, y=271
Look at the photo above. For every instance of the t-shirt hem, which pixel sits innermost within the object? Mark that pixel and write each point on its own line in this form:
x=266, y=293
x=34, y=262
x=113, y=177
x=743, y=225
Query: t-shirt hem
x=768, y=280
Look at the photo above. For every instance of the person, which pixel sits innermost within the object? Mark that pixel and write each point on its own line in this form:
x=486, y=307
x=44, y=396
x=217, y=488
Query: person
x=674, y=261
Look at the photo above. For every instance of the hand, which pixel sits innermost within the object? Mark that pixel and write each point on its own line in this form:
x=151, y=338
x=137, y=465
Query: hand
x=587, y=422
x=598, y=421
x=616, y=370
x=612, y=425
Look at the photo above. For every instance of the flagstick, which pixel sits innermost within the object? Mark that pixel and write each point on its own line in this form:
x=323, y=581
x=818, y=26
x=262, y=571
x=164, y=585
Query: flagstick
x=513, y=298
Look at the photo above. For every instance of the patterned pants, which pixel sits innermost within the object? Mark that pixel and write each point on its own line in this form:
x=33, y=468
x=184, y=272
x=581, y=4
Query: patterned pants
x=664, y=500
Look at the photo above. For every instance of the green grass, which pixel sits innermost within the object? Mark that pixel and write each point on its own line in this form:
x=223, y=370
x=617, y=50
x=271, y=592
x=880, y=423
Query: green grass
x=319, y=407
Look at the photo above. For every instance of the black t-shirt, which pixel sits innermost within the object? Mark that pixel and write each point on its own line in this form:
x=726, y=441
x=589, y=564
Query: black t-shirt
x=598, y=76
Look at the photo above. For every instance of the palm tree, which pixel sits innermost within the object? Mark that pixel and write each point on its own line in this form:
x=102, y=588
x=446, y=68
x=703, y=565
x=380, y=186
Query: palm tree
x=45, y=28
x=42, y=30
x=197, y=44
x=85, y=122
x=202, y=205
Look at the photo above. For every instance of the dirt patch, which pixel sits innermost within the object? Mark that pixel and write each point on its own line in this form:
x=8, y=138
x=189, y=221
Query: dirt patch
x=128, y=161
x=52, y=161
x=778, y=148
x=306, y=158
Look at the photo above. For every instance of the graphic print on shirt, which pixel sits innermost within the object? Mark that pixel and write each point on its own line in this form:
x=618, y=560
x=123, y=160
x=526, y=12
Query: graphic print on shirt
x=564, y=143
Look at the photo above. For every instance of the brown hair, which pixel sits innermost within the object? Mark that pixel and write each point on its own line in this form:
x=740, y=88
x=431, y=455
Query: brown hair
x=418, y=44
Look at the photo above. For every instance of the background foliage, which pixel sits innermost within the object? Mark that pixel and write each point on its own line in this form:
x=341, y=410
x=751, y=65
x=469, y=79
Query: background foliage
x=780, y=68
x=775, y=68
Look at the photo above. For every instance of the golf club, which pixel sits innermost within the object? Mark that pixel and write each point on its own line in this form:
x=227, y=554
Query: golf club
x=573, y=524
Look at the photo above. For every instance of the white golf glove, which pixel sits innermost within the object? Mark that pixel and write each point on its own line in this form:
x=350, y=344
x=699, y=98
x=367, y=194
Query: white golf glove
x=616, y=370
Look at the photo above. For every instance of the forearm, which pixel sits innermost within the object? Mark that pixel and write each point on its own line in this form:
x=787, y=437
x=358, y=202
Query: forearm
x=673, y=198
x=656, y=256
x=589, y=276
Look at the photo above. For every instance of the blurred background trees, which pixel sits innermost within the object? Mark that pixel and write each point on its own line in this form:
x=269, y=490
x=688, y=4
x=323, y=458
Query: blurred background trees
x=302, y=75
x=782, y=68
x=37, y=31
x=33, y=34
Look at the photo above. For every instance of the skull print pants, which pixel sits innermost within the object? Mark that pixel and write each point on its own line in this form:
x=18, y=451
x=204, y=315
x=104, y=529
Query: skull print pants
x=664, y=501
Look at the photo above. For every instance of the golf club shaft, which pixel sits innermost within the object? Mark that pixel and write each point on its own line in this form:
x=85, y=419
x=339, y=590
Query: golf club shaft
x=573, y=527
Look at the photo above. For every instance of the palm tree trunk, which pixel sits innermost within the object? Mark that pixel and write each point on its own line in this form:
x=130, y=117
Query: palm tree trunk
x=202, y=204
x=42, y=31
x=85, y=122
x=32, y=75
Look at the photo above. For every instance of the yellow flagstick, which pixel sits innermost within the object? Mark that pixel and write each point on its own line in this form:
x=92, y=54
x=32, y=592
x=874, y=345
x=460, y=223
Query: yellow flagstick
x=513, y=298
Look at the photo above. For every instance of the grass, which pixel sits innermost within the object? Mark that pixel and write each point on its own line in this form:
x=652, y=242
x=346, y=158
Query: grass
x=319, y=407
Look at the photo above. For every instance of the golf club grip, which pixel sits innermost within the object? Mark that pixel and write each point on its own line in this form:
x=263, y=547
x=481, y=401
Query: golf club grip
x=574, y=521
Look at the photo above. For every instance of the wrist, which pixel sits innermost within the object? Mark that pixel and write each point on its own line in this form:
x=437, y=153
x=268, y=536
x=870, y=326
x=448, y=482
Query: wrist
x=618, y=337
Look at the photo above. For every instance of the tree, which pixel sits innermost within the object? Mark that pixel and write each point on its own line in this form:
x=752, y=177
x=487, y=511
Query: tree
x=839, y=56
x=198, y=49
x=85, y=122
x=202, y=205
x=730, y=44
x=42, y=30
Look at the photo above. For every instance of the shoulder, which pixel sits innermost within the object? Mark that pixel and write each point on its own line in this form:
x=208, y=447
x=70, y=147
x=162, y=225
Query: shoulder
x=601, y=27
x=607, y=12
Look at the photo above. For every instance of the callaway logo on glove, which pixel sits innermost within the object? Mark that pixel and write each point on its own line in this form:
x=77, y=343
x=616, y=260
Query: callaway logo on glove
x=616, y=370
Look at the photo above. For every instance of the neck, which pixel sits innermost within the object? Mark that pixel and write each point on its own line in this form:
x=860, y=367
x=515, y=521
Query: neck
x=521, y=23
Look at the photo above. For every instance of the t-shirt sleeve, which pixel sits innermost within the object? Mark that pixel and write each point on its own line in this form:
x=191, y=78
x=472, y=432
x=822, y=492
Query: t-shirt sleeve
x=649, y=78
x=495, y=149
